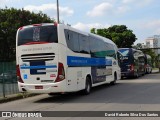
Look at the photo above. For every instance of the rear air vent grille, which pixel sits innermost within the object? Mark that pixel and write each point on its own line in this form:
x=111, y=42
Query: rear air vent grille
x=39, y=56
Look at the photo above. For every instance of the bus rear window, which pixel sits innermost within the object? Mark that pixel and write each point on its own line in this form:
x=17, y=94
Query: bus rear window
x=38, y=34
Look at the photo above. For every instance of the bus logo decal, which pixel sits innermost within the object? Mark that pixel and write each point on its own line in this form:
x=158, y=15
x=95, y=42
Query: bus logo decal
x=25, y=76
x=84, y=61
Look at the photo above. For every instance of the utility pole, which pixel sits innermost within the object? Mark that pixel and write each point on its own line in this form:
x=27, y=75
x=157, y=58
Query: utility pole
x=57, y=11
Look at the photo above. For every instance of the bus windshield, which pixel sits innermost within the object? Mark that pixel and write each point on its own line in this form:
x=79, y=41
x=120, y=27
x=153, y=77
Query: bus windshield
x=125, y=56
x=37, y=34
x=124, y=52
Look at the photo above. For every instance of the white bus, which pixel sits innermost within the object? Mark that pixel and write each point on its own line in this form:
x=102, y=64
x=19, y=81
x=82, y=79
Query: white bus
x=56, y=58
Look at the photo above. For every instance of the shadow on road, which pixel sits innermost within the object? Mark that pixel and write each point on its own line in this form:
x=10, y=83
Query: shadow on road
x=147, y=76
x=123, y=92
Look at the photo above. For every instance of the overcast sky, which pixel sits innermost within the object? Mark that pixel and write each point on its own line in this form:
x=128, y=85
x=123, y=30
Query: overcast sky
x=141, y=16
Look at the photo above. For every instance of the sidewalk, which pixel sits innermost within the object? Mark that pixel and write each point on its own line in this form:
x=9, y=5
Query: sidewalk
x=13, y=97
x=155, y=71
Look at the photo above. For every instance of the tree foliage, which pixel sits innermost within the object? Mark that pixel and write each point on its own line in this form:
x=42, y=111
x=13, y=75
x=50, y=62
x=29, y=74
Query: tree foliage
x=119, y=34
x=10, y=20
x=138, y=46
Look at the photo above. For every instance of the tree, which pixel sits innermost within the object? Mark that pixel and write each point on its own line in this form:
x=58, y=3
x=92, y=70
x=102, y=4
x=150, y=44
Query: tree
x=152, y=54
x=138, y=46
x=10, y=20
x=119, y=34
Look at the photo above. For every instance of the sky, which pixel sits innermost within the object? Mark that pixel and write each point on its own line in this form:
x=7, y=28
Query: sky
x=141, y=16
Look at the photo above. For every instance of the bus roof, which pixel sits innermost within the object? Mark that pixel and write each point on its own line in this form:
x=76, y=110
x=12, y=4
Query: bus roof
x=40, y=24
x=74, y=29
x=88, y=34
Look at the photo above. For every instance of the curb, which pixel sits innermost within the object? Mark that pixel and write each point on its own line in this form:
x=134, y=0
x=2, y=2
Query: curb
x=16, y=97
x=155, y=73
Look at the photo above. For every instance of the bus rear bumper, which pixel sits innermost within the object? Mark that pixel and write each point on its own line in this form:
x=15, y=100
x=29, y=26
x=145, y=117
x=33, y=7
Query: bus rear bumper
x=58, y=87
x=127, y=74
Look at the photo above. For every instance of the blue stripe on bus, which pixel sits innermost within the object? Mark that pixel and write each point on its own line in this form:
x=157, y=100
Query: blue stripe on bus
x=84, y=61
x=38, y=67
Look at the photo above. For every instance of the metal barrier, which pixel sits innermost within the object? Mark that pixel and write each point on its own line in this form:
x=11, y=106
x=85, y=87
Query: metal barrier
x=8, y=79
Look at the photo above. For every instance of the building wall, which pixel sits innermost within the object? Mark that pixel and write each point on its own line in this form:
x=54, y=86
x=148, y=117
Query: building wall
x=157, y=43
x=149, y=42
x=154, y=42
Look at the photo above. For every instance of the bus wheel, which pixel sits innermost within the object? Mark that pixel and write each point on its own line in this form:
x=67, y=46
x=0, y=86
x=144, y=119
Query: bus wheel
x=88, y=86
x=115, y=79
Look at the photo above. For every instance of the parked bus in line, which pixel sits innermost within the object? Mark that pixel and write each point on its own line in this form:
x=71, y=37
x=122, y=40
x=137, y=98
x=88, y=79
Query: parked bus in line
x=148, y=64
x=132, y=63
x=56, y=58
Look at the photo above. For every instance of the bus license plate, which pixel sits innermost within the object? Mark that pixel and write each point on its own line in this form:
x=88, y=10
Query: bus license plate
x=38, y=87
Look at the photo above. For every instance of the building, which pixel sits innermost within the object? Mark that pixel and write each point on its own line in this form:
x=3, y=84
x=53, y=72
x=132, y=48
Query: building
x=154, y=42
x=149, y=42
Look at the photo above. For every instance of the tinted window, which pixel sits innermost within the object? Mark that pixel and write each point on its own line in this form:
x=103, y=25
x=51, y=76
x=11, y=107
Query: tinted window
x=148, y=60
x=72, y=40
x=89, y=44
x=142, y=59
x=37, y=34
x=124, y=52
x=136, y=54
x=110, y=50
x=100, y=48
x=93, y=46
x=84, y=44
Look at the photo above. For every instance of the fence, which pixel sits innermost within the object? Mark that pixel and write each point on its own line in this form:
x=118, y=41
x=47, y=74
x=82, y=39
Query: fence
x=8, y=79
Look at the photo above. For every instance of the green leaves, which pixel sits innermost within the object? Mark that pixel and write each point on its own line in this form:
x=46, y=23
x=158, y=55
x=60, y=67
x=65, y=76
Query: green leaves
x=119, y=34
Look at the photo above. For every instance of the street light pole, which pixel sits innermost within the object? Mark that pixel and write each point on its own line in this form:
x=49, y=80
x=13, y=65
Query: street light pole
x=57, y=11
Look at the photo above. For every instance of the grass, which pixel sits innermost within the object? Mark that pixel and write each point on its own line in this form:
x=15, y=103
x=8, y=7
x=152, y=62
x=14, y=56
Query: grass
x=155, y=68
x=16, y=97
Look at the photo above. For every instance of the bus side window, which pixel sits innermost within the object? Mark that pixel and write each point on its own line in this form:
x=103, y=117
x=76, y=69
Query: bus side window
x=84, y=44
x=68, y=36
x=94, y=47
x=66, y=32
x=72, y=40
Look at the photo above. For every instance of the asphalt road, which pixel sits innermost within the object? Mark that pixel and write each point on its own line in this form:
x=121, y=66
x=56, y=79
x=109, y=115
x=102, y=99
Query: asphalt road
x=142, y=94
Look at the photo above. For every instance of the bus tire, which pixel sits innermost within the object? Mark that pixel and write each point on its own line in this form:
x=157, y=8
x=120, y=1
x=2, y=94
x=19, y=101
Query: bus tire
x=88, y=86
x=115, y=79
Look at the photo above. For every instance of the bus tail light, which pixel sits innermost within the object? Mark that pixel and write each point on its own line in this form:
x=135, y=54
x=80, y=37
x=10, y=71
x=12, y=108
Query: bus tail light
x=61, y=73
x=55, y=24
x=132, y=67
x=20, y=28
x=19, y=74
